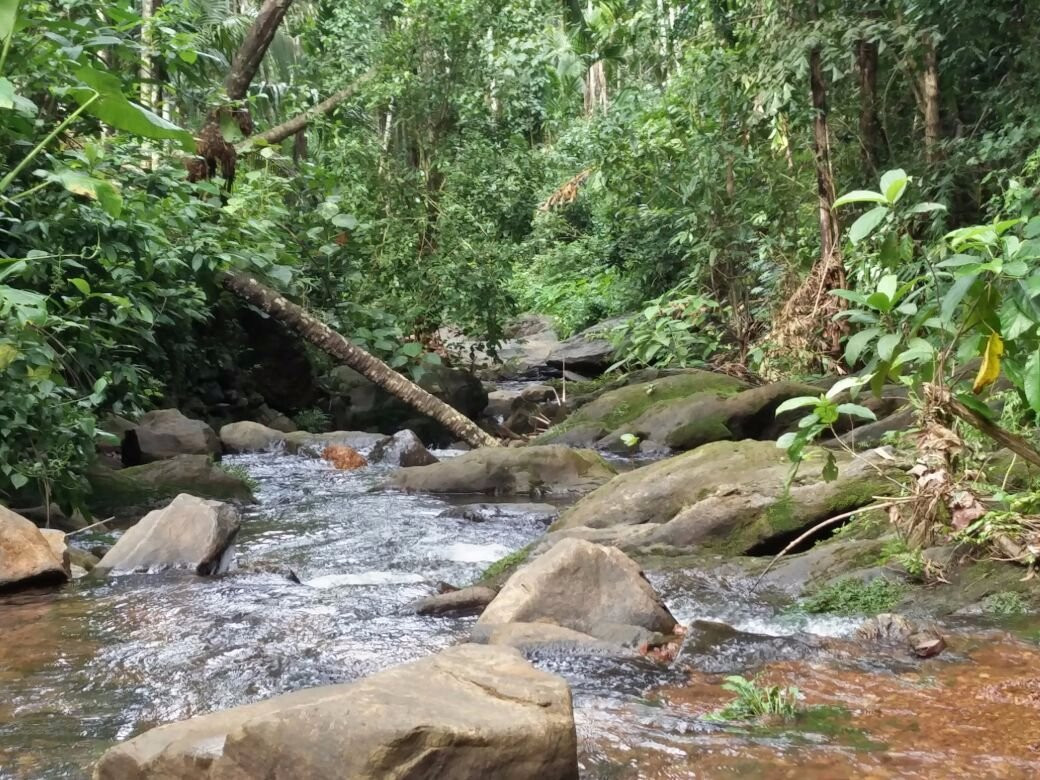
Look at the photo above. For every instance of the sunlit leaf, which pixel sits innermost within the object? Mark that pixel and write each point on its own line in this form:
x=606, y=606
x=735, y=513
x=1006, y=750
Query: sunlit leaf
x=893, y=184
x=12, y=101
x=1031, y=381
x=865, y=225
x=860, y=196
x=8, y=18
x=990, y=368
x=104, y=192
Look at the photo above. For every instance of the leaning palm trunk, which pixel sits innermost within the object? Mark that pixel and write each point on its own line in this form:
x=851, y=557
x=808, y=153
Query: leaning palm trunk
x=298, y=319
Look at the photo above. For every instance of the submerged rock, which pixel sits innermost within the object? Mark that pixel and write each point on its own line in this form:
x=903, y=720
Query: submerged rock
x=250, y=437
x=546, y=470
x=190, y=533
x=591, y=589
x=536, y=637
x=56, y=541
x=166, y=433
x=482, y=513
x=153, y=483
x=468, y=713
x=726, y=496
x=404, y=448
x=453, y=602
x=922, y=640
x=343, y=458
x=717, y=648
x=27, y=556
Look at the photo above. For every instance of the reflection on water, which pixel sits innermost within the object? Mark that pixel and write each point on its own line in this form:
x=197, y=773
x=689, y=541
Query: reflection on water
x=97, y=662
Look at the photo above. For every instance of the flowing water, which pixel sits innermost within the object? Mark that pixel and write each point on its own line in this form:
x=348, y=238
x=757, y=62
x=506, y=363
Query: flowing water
x=96, y=662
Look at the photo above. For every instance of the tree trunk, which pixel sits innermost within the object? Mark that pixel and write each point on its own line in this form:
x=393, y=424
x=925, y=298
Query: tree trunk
x=279, y=133
x=596, y=98
x=322, y=336
x=930, y=95
x=830, y=231
x=251, y=53
x=871, y=134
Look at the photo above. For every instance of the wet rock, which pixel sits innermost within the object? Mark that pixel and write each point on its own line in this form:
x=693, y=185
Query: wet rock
x=272, y=569
x=250, y=437
x=153, y=483
x=724, y=496
x=343, y=458
x=583, y=587
x=190, y=533
x=468, y=713
x=454, y=602
x=500, y=403
x=534, y=637
x=82, y=558
x=404, y=448
x=27, y=557
x=548, y=470
x=613, y=410
x=56, y=541
x=166, y=433
x=717, y=648
x=482, y=513
x=313, y=444
x=922, y=640
x=872, y=434
x=272, y=418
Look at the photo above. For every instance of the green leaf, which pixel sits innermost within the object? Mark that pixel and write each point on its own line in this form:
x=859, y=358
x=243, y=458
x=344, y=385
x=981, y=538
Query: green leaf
x=346, y=221
x=104, y=192
x=924, y=208
x=629, y=439
x=11, y=100
x=860, y=196
x=797, y=403
x=114, y=109
x=850, y=295
x=888, y=285
x=412, y=349
x=1031, y=381
x=887, y=345
x=19, y=480
x=229, y=129
x=893, y=184
x=856, y=343
x=81, y=284
x=865, y=225
x=955, y=295
x=879, y=301
x=8, y=17
x=855, y=410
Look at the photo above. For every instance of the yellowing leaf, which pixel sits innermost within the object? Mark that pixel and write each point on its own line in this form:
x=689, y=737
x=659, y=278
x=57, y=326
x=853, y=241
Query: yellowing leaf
x=990, y=368
x=8, y=355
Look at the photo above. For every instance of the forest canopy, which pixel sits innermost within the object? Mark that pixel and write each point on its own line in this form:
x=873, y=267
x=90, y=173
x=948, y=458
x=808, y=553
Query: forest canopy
x=401, y=167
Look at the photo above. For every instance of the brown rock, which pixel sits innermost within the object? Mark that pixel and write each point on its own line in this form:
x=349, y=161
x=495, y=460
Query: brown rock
x=26, y=556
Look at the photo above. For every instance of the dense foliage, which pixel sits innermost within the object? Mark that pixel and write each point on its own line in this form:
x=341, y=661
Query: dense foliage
x=585, y=161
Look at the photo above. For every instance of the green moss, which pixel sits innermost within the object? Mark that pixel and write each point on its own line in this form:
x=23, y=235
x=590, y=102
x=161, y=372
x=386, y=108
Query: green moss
x=503, y=567
x=699, y=431
x=855, y=597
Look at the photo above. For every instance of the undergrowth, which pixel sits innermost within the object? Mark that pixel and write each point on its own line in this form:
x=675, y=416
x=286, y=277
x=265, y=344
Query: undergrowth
x=854, y=597
x=756, y=701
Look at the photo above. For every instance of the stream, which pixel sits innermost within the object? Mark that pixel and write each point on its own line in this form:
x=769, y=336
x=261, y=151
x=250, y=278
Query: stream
x=99, y=661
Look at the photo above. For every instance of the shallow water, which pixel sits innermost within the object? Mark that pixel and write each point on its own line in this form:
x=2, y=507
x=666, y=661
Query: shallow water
x=94, y=663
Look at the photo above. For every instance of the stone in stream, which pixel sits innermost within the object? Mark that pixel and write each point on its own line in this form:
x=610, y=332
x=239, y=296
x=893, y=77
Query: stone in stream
x=589, y=352
x=27, y=556
x=455, y=602
x=166, y=433
x=541, y=637
x=726, y=496
x=922, y=640
x=250, y=437
x=404, y=448
x=717, y=648
x=545, y=470
x=584, y=587
x=482, y=513
x=190, y=533
x=148, y=485
x=467, y=713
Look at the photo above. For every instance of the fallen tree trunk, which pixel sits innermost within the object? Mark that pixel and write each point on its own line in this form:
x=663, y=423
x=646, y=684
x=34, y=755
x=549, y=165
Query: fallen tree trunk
x=299, y=320
x=279, y=133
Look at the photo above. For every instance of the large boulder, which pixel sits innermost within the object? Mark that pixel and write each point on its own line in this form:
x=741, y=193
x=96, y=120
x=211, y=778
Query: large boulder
x=314, y=444
x=404, y=448
x=468, y=713
x=726, y=496
x=114, y=490
x=27, y=557
x=190, y=533
x=584, y=587
x=588, y=352
x=166, y=433
x=250, y=437
x=614, y=409
x=545, y=470
x=361, y=404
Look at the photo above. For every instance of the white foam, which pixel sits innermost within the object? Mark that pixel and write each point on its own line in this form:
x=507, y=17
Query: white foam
x=327, y=581
x=462, y=552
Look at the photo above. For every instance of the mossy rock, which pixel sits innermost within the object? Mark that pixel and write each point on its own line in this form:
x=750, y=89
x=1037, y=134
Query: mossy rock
x=154, y=483
x=613, y=409
x=536, y=471
x=725, y=496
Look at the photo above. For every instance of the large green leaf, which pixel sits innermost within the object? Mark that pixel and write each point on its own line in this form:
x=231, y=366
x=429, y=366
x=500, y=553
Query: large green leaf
x=114, y=109
x=865, y=225
x=860, y=196
x=8, y=17
x=856, y=343
x=11, y=100
x=893, y=184
x=1031, y=381
x=104, y=192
